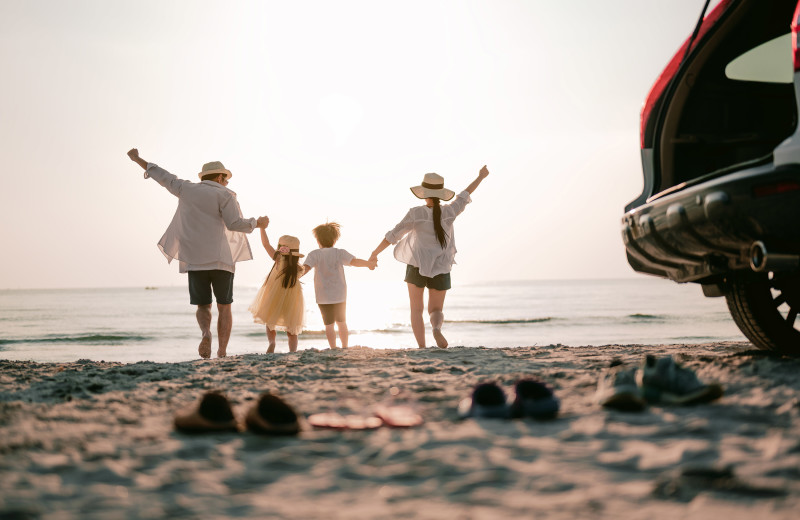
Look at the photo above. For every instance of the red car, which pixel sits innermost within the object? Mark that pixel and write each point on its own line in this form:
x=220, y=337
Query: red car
x=721, y=164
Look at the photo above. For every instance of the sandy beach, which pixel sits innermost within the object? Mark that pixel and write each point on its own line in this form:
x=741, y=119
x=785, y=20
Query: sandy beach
x=96, y=440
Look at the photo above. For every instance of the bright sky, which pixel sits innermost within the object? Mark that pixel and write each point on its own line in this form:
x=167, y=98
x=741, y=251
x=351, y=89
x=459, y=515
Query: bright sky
x=325, y=111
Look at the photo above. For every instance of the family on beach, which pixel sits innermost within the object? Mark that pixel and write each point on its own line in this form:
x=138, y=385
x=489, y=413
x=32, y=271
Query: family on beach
x=207, y=236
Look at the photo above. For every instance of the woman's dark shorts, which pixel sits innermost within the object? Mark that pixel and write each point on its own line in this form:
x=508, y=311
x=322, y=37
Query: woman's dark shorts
x=333, y=312
x=440, y=282
x=201, y=283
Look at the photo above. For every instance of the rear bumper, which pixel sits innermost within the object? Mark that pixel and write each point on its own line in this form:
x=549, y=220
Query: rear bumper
x=706, y=231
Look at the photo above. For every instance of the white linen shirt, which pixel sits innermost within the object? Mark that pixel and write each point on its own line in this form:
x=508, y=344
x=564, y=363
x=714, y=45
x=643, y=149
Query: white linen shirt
x=207, y=231
x=416, y=239
x=330, y=285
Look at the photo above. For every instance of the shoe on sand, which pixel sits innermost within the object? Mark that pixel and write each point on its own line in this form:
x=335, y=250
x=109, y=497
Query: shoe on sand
x=213, y=413
x=488, y=400
x=272, y=416
x=534, y=399
x=336, y=421
x=667, y=382
x=617, y=388
x=205, y=347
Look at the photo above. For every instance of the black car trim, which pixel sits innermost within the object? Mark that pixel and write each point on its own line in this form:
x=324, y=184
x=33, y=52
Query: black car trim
x=649, y=227
x=765, y=159
x=692, y=235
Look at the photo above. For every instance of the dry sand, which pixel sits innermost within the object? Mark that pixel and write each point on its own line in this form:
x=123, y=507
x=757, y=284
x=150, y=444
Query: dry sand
x=91, y=440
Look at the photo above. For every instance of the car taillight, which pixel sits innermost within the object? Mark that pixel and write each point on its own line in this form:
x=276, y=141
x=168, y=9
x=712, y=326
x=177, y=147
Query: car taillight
x=795, y=28
x=775, y=188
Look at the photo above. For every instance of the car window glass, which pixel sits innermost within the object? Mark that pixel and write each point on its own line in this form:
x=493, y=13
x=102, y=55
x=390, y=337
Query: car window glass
x=770, y=62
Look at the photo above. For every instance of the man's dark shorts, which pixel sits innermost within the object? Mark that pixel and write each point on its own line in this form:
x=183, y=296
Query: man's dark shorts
x=440, y=282
x=201, y=283
x=333, y=312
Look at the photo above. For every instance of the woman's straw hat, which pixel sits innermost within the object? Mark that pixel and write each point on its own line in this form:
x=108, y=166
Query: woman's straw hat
x=214, y=167
x=432, y=186
x=291, y=245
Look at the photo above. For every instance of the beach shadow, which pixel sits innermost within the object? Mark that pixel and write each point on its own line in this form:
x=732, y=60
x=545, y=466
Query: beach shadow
x=84, y=379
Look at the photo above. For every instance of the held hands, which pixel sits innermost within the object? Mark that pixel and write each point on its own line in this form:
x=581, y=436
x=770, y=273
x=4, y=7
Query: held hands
x=372, y=264
x=262, y=222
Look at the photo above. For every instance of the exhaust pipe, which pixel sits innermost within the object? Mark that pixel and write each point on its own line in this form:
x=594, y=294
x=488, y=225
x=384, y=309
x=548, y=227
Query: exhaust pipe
x=761, y=260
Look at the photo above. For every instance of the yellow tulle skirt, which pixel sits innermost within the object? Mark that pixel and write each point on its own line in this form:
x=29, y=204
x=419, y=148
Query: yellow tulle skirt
x=277, y=307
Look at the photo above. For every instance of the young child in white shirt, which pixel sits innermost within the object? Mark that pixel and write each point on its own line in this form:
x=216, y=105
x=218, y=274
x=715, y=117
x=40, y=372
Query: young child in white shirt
x=330, y=285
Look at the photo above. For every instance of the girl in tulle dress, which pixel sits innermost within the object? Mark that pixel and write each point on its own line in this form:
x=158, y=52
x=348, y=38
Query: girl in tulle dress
x=279, y=303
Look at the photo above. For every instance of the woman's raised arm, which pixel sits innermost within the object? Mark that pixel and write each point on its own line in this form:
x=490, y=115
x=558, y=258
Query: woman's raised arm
x=481, y=175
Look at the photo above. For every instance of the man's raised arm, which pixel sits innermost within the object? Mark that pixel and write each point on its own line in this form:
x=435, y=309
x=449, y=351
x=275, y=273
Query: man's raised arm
x=133, y=153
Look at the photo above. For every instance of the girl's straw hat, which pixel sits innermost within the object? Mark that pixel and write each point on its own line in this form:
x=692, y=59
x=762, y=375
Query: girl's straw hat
x=432, y=186
x=214, y=167
x=288, y=244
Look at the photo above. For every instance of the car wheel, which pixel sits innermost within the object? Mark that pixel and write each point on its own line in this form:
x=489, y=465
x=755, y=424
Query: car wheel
x=765, y=307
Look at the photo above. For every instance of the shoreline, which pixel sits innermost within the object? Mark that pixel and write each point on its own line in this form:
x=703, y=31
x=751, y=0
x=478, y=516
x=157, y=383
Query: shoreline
x=92, y=439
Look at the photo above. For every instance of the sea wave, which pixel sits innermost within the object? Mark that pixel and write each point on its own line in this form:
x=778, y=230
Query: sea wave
x=305, y=333
x=639, y=316
x=78, y=338
x=505, y=322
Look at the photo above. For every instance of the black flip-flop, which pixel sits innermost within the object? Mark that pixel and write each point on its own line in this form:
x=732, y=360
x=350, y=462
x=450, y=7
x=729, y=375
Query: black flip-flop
x=534, y=399
x=488, y=401
x=212, y=414
x=272, y=416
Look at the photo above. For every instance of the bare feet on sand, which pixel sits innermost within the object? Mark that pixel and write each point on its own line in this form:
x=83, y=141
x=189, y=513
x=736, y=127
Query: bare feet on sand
x=205, y=347
x=441, y=342
x=271, y=348
x=221, y=352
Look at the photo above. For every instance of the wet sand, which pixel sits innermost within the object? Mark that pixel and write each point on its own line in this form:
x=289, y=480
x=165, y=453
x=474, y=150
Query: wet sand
x=89, y=440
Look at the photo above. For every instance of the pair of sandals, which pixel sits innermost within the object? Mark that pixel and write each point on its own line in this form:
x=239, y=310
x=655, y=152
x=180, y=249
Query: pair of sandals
x=391, y=415
x=270, y=415
x=532, y=399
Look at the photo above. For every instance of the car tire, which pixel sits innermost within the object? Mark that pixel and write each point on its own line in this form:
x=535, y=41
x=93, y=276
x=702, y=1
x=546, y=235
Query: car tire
x=765, y=308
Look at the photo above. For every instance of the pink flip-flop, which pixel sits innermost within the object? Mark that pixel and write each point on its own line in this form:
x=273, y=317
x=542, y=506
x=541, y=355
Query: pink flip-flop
x=336, y=421
x=399, y=415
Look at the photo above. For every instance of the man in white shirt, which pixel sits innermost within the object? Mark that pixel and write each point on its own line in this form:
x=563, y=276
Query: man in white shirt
x=207, y=237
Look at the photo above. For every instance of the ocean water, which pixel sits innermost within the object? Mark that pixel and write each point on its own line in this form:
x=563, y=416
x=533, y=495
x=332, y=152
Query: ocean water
x=138, y=324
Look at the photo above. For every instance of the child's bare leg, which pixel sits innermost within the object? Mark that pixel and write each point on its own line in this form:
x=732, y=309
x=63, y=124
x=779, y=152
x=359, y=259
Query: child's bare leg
x=203, y=315
x=343, y=333
x=292, y=342
x=417, y=306
x=330, y=333
x=224, y=325
x=435, y=306
x=271, y=338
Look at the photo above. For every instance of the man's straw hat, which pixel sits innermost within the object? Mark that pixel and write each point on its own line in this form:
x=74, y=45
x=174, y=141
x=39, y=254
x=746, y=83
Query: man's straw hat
x=432, y=186
x=214, y=167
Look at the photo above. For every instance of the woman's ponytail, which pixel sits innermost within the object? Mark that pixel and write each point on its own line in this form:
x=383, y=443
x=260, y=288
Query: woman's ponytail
x=441, y=236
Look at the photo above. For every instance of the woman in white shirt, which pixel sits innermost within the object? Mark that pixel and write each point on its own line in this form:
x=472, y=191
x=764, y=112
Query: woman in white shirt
x=425, y=243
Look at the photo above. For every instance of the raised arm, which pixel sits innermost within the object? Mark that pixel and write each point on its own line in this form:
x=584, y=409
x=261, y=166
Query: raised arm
x=481, y=175
x=160, y=175
x=265, y=242
x=133, y=153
